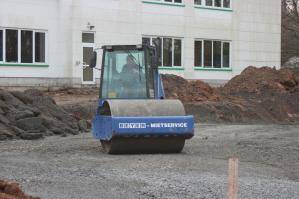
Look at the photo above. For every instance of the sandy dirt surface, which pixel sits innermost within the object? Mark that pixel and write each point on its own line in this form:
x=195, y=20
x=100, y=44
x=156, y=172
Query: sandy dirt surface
x=76, y=167
x=71, y=96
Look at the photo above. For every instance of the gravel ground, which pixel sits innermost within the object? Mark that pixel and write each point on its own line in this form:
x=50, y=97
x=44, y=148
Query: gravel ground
x=75, y=166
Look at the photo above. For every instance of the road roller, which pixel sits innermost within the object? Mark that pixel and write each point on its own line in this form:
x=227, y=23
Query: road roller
x=133, y=116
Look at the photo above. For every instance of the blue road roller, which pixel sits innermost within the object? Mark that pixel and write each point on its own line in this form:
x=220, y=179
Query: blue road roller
x=133, y=116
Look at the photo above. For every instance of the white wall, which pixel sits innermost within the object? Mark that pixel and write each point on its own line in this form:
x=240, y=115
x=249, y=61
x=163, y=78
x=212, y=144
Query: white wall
x=41, y=15
x=257, y=33
x=253, y=27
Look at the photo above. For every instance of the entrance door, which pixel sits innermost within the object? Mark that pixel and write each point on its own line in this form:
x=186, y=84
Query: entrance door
x=88, y=76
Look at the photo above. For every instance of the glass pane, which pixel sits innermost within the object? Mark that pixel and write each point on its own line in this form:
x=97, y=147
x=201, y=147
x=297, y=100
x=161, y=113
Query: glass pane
x=209, y=2
x=87, y=37
x=197, y=2
x=226, y=3
x=87, y=54
x=26, y=46
x=157, y=43
x=40, y=47
x=207, y=53
x=167, y=52
x=87, y=72
x=178, y=1
x=217, y=3
x=217, y=54
x=1, y=45
x=226, y=54
x=177, y=52
x=168, y=0
x=124, y=75
x=150, y=75
x=146, y=41
x=198, y=53
x=11, y=45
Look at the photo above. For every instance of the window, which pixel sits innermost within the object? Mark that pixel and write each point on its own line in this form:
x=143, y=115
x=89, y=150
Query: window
x=146, y=41
x=169, y=50
x=208, y=53
x=177, y=52
x=226, y=3
x=226, y=54
x=87, y=37
x=40, y=47
x=157, y=42
x=217, y=3
x=212, y=54
x=11, y=45
x=135, y=86
x=214, y=3
x=198, y=2
x=217, y=54
x=22, y=46
x=198, y=53
x=26, y=46
x=1, y=45
x=209, y=2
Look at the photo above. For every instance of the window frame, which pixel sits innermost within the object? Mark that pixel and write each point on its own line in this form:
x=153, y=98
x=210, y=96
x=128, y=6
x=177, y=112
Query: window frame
x=3, y=45
x=204, y=5
x=87, y=45
x=151, y=37
x=46, y=46
x=19, y=62
x=20, y=46
x=202, y=66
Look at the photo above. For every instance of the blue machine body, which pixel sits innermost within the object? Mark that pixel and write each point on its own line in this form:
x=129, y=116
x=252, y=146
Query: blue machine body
x=106, y=127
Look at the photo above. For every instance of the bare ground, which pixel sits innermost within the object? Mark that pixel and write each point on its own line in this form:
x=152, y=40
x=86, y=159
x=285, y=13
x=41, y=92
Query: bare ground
x=76, y=167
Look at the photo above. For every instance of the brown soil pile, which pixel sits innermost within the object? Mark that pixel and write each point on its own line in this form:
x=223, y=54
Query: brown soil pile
x=254, y=82
x=32, y=115
x=176, y=87
x=273, y=93
x=12, y=190
x=257, y=95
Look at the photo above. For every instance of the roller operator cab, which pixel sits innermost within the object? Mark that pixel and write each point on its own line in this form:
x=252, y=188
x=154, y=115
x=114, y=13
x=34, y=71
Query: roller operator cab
x=132, y=115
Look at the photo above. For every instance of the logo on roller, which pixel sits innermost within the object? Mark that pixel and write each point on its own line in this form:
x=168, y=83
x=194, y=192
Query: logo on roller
x=132, y=125
x=151, y=125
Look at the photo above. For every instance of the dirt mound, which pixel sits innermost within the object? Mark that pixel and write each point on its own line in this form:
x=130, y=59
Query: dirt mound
x=259, y=81
x=257, y=95
x=12, y=190
x=274, y=93
x=32, y=115
x=176, y=87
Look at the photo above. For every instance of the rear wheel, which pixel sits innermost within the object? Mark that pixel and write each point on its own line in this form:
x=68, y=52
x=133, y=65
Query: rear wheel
x=144, y=145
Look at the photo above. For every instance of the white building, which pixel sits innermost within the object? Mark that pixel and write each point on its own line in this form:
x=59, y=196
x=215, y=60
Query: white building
x=47, y=42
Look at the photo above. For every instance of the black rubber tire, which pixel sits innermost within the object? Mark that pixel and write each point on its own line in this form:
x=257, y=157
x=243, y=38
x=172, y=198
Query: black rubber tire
x=144, y=145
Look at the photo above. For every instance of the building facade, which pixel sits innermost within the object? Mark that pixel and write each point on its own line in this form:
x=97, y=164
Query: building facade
x=49, y=42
